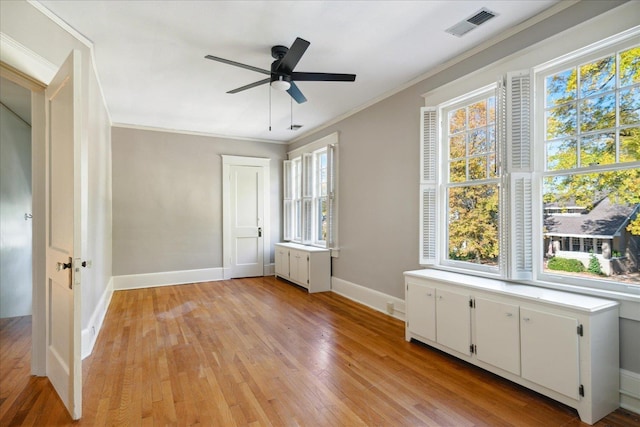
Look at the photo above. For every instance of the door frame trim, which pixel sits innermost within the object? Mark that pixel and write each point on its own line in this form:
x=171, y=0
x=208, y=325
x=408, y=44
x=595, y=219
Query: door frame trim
x=25, y=68
x=227, y=162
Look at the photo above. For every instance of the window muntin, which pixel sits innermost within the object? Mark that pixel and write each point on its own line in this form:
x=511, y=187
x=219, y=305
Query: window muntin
x=472, y=187
x=591, y=176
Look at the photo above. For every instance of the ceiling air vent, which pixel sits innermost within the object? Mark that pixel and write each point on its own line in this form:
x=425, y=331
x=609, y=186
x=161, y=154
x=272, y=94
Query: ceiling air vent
x=463, y=27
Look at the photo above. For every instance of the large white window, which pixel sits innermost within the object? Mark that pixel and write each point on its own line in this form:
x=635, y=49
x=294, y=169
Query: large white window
x=471, y=182
x=588, y=119
x=538, y=178
x=310, y=197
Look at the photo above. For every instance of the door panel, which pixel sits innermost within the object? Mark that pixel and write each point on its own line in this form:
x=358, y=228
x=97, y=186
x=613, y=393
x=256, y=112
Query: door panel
x=550, y=352
x=247, y=205
x=453, y=320
x=498, y=334
x=422, y=310
x=63, y=205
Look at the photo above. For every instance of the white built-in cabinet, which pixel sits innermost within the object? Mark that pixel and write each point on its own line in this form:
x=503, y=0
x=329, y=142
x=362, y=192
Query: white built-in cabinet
x=307, y=266
x=560, y=344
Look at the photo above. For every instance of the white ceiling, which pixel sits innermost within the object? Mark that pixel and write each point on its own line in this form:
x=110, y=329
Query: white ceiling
x=150, y=56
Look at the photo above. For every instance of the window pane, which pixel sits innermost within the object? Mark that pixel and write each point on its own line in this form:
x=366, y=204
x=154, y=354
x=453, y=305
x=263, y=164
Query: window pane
x=457, y=171
x=599, y=149
x=561, y=121
x=560, y=88
x=562, y=154
x=322, y=220
x=598, y=211
x=478, y=142
x=598, y=113
x=597, y=77
x=477, y=168
x=477, y=114
x=629, y=67
x=457, y=146
x=473, y=224
x=630, y=106
x=457, y=120
x=491, y=110
x=630, y=144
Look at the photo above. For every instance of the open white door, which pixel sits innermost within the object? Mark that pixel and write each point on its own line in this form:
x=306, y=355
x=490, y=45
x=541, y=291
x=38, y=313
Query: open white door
x=63, y=230
x=244, y=229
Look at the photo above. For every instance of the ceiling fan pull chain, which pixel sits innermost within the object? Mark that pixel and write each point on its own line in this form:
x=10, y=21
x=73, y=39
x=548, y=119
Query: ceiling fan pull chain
x=269, y=108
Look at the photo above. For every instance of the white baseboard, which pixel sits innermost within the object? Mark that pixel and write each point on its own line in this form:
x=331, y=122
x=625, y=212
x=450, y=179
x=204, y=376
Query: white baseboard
x=630, y=391
x=90, y=333
x=269, y=269
x=166, y=278
x=369, y=297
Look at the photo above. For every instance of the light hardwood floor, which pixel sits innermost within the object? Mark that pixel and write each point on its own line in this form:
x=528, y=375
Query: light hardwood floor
x=263, y=352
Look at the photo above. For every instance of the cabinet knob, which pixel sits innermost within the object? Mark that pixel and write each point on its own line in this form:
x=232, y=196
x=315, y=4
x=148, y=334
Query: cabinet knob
x=526, y=319
x=509, y=314
x=429, y=294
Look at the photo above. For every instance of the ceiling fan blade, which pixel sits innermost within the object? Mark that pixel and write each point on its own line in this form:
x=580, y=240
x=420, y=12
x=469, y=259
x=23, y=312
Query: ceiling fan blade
x=295, y=93
x=290, y=60
x=250, y=85
x=323, y=77
x=238, y=64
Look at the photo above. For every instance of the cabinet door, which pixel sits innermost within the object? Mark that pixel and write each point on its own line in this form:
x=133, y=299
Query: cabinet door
x=421, y=310
x=498, y=334
x=299, y=267
x=453, y=320
x=282, y=261
x=549, y=351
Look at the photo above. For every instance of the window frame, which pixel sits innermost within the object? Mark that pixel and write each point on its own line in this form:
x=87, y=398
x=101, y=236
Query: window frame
x=309, y=183
x=611, y=46
x=443, y=183
x=514, y=170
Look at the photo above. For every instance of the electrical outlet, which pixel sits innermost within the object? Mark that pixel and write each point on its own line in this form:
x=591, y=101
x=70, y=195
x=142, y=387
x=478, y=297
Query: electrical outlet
x=390, y=307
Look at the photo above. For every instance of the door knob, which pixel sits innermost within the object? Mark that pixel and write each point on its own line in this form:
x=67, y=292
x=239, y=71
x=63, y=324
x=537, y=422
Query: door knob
x=63, y=266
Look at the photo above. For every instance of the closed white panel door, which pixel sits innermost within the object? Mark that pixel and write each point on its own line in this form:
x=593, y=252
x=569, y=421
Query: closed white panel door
x=550, y=353
x=498, y=334
x=247, y=207
x=453, y=321
x=63, y=204
x=421, y=310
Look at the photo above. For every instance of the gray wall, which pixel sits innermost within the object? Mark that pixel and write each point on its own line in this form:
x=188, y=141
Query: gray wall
x=15, y=201
x=167, y=199
x=379, y=159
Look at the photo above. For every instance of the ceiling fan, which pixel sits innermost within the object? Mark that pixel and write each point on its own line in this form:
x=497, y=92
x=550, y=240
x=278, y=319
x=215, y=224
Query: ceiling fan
x=282, y=75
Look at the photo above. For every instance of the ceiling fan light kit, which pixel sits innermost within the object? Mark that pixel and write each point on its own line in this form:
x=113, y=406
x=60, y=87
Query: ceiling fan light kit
x=281, y=84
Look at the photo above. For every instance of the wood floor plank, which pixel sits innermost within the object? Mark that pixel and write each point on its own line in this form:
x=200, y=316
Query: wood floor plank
x=262, y=352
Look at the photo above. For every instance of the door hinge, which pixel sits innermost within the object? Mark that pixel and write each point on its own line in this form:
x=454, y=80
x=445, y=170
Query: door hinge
x=472, y=303
x=580, y=330
x=472, y=348
x=581, y=390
